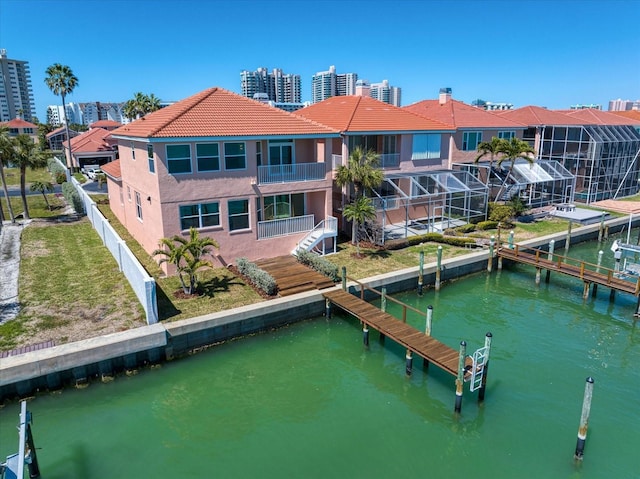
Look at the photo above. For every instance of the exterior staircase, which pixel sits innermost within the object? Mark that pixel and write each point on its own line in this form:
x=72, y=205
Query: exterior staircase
x=326, y=229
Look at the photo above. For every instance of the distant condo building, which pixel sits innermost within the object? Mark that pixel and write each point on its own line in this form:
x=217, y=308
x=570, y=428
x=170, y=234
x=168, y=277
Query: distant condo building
x=379, y=91
x=278, y=86
x=328, y=84
x=579, y=106
x=97, y=111
x=16, y=92
x=491, y=106
x=624, y=105
x=56, y=116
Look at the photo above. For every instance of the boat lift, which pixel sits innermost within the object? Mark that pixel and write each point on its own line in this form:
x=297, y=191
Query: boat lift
x=13, y=468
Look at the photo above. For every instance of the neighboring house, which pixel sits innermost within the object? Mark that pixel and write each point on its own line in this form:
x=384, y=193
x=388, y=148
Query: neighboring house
x=93, y=147
x=419, y=191
x=18, y=126
x=108, y=125
x=599, y=148
x=632, y=115
x=58, y=137
x=255, y=178
x=539, y=185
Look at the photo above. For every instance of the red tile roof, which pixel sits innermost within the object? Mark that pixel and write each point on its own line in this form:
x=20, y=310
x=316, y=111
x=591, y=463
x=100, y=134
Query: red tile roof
x=112, y=169
x=599, y=117
x=218, y=112
x=633, y=115
x=462, y=115
x=60, y=129
x=104, y=124
x=537, y=116
x=19, y=123
x=94, y=140
x=361, y=113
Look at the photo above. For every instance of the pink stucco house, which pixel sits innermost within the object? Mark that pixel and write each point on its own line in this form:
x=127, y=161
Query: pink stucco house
x=255, y=178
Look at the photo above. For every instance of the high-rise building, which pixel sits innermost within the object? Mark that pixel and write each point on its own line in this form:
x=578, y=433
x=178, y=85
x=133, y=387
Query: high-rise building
x=380, y=91
x=16, y=92
x=491, y=106
x=57, y=116
x=278, y=86
x=327, y=84
x=580, y=106
x=624, y=105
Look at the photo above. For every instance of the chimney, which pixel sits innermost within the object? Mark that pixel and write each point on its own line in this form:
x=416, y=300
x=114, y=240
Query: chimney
x=445, y=95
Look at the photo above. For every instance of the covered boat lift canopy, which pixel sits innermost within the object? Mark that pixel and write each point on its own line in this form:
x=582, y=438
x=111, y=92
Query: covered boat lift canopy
x=410, y=204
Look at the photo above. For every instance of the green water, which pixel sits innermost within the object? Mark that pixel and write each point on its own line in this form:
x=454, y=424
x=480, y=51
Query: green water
x=309, y=400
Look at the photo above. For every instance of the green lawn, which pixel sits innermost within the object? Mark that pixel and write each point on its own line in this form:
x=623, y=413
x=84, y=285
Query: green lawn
x=12, y=175
x=37, y=206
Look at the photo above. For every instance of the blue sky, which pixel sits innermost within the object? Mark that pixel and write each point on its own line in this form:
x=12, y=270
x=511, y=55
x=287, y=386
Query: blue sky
x=544, y=52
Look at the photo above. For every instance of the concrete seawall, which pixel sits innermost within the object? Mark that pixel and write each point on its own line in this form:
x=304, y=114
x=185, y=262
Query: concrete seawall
x=79, y=362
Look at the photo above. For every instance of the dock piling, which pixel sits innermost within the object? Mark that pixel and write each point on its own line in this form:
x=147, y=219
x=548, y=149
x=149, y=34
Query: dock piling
x=568, y=240
x=327, y=308
x=344, y=278
x=600, y=253
x=511, y=233
x=438, y=268
x=490, y=261
x=601, y=229
x=427, y=329
x=409, y=358
x=365, y=334
x=383, y=299
x=420, y=273
x=584, y=419
x=460, y=378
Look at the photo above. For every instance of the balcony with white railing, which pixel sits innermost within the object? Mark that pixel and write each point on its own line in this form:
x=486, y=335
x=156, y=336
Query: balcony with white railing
x=296, y=172
x=285, y=226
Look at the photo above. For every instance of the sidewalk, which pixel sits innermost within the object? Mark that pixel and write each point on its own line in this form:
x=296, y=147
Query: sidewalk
x=10, y=261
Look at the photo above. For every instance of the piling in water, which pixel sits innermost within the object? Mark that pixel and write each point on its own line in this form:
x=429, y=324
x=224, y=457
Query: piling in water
x=584, y=419
x=460, y=379
x=365, y=334
x=421, y=273
x=427, y=329
x=438, y=268
x=568, y=240
x=490, y=260
x=409, y=366
x=383, y=299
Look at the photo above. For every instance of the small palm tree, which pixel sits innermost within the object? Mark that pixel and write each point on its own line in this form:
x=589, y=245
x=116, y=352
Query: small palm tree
x=491, y=148
x=362, y=172
x=43, y=187
x=187, y=255
x=140, y=105
x=61, y=81
x=359, y=212
x=7, y=152
x=512, y=150
x=27, y=155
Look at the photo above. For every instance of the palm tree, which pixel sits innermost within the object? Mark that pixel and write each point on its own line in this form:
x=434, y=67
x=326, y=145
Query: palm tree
x=6, y=153
x=362, y=172
x=359, y=212
x=61, y=81
x=489, y=148
x=43, y=187
x=512, y=150
x=140, y=105
x=187, y=256
x=26, y=156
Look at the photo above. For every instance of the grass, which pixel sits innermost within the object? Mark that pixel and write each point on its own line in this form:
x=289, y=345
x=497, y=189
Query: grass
x=12, y=175
x=68, y=282
x=37, y=206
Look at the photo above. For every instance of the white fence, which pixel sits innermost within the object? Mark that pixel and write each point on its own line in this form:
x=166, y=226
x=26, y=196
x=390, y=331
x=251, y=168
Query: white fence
x=143, y=285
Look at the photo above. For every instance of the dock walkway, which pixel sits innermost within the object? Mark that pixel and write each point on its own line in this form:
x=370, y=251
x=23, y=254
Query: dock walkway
x=414, y=340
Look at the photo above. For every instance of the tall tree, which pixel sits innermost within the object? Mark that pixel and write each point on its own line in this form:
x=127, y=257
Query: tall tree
x=140, y=105
x=43, y=187
x=61, y=81
x=512, y=150
x=359, y=211
x=26, y=156
x=362, y=172
x=6, y=154
x=187, y=255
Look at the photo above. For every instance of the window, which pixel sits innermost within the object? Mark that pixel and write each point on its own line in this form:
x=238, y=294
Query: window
x=389, y=144
x=259, y=153
x=283, y=206
x=133, y=151
x=281, y=152
x=152, y=162
x=138, y=206
x=179, y=159
x=238, y=214
x=506, y=135
x=471, y=140
x=129, y=193
x=208, y=157
x=426, y=146
x=234, y=156
x=201, y=215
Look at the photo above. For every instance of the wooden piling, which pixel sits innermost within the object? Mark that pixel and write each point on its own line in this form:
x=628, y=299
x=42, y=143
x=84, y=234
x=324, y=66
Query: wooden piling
x=584, y=419
x=409, y=366
x=365, y=334
x=600, y=253
x=552, y=246
x=601, y=229
x=594, y=290
x=383, y=299
x=490, y=261
x=460, y=379
x=327, y=308
x=438, y=268
x=511, y=233
x=420, y=273
x=344, y=278
x=585, y=291
x=568, y=240
x=427, y=329
x=538, y=272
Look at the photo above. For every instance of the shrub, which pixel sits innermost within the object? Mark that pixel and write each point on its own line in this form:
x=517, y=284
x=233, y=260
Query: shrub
x=55, y=167
x=319, y=264
x=468, y=228
x=429, y=237
x=518, y=205
x=61, y=178
x=487, y=225
x=499, y=212
x=72, y=197
x=259, y=277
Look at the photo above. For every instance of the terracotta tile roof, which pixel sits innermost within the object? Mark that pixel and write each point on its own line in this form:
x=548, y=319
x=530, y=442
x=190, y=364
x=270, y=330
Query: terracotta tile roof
x=91, y=141
x=361, y=113
x=462, y=115
x=19, y=123
x=537, y=116
x=633, y=115
x=57, y=131
x=218, y=112
x=112, y=169
x=599, y=117
x=104, y=124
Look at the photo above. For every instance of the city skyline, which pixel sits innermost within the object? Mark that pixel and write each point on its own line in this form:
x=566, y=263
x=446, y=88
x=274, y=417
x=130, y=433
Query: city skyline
x=583, y=52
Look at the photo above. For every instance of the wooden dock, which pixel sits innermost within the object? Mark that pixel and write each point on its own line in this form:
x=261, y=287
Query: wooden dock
x=414, y=340
x=587, y=272
x=293, y=277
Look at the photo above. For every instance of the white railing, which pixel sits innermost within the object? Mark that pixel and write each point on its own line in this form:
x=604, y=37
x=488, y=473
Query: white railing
x=285, y=226
x=324, y=229
x=387, y=160
x=291, y=173
x=336, y=160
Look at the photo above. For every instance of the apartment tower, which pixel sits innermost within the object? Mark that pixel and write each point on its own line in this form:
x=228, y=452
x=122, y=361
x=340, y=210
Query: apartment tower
x=16, y=92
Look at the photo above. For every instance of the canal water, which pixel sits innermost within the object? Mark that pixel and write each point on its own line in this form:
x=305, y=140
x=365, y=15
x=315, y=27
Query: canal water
x=310, y=401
